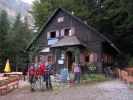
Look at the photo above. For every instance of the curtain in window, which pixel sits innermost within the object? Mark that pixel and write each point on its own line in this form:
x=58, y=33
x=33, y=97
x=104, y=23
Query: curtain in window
x=48, y=35
x=62, y=32
x=57, y=34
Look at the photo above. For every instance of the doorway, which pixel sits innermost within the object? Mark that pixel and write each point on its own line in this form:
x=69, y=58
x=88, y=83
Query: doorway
x=69, y=60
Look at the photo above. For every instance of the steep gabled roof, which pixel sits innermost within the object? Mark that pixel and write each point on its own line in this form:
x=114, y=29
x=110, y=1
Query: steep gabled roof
x=79, y=20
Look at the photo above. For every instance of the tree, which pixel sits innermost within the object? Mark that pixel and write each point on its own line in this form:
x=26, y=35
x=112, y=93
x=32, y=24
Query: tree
x=81, y=8
x=4, y=30
x=119, y=13
x=19, y=38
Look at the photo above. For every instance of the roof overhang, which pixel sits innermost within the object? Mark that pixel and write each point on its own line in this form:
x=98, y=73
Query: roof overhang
x=45, y=50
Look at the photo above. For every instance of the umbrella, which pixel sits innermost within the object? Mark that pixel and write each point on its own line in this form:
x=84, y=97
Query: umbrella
x=7, y=67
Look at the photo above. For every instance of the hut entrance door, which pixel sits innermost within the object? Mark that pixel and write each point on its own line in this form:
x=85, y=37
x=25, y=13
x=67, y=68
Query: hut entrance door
x=69, y=60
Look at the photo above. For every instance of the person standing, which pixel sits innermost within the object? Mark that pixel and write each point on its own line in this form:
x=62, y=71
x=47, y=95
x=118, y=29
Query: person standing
x=31, y=74
x=41, y=74
x=49, y=69
x=42, y=69
x=77, y=72
x=24, y=73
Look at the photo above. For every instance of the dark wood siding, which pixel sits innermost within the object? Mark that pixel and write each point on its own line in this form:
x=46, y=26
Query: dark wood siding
x=54, y=25
x=85, y=35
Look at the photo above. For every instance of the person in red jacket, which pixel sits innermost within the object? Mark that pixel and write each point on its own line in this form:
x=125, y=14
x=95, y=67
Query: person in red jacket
x=31, y=74
x=42, y=69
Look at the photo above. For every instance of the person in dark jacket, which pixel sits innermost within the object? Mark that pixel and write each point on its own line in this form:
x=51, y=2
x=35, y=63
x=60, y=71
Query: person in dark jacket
x=24, y=73
x=49, y=69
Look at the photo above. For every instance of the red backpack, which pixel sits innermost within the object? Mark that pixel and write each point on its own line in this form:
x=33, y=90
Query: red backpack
x=42, y=69
x=31, y=71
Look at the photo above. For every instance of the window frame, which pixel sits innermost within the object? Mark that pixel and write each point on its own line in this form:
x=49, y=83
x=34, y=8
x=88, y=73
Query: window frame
x=60, y=19
x=49, y=34
x=70, y=34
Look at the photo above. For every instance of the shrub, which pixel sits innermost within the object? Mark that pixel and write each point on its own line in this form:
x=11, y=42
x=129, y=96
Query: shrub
x=130, y=62
x=93, y=78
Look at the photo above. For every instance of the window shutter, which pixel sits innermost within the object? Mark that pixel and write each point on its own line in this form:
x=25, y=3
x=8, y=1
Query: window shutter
x=57, y=34
x=72, y=32
x=62, y=32
x=48, y=35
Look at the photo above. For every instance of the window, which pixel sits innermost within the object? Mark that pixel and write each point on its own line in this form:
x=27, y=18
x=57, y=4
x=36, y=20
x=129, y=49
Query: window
x=60, y=19
x=87, y=58
x=68, y=32
x=49, y=58
x=53, y=34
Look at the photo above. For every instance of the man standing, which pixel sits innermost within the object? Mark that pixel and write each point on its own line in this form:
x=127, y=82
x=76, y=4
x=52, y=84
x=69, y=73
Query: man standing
x=49, y=69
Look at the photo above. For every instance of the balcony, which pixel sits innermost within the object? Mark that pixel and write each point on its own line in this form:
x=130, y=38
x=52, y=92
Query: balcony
x=52, y=41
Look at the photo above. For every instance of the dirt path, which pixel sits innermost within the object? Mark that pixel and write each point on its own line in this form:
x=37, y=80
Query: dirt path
x=110, y=90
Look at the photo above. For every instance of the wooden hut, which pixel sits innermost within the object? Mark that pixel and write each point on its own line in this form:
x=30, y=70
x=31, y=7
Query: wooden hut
x=65, y=39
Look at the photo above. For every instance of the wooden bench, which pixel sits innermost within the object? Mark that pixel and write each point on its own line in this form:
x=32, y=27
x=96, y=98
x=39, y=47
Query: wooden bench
x=8, y=85
x=130, y=75
x=3, y=89
x=126, y=75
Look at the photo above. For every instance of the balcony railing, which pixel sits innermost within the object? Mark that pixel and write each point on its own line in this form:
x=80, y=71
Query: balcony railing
x=52, y=41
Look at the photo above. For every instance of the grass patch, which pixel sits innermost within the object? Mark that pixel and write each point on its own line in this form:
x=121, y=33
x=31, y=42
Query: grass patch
x=130, y=86
x=88, y=78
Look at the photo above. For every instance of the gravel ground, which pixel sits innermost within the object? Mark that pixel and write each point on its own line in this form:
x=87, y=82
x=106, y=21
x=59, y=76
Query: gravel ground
x=109, y=90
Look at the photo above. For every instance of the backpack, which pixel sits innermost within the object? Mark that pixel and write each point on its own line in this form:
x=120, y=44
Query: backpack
x=31, y=71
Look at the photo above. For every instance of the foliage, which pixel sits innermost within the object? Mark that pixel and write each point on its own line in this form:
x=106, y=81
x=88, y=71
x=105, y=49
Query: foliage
x=14, y=38
x=93, y=78
x=130, y=62
x=42, y=8
x=4, y=30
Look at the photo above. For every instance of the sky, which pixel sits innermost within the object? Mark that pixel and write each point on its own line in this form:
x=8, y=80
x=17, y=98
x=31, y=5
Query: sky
x=28, y=1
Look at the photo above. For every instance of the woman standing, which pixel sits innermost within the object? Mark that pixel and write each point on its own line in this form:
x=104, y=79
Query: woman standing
x=77, y=72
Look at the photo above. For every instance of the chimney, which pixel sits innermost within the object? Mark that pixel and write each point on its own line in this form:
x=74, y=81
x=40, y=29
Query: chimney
x=72, y=12
x=85, y=22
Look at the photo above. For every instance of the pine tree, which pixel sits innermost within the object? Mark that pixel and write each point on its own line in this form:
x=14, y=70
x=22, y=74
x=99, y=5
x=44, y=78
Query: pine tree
x=4, y=30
